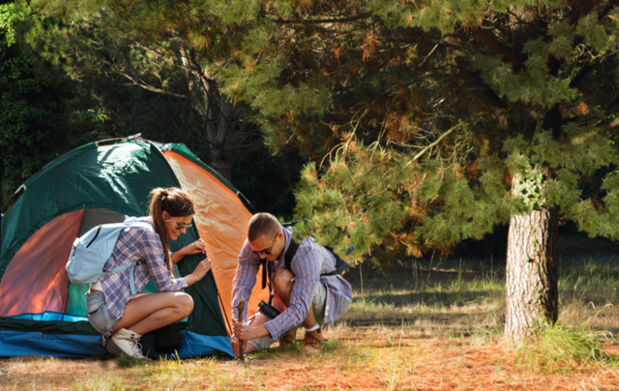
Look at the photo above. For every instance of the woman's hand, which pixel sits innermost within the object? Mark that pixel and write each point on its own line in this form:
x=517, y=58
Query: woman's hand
x=196, y=247
x=200, y=271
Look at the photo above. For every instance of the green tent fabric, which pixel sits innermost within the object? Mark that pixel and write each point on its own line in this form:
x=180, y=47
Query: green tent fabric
x=97, y=183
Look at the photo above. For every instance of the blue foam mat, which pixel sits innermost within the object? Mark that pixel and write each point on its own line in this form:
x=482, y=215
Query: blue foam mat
x=19, y=344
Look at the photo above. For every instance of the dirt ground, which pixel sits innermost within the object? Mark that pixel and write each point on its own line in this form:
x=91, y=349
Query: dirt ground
x=361, y=359
x=384, y=356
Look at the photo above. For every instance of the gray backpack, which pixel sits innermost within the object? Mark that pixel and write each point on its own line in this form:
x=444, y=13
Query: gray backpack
x=93, y=249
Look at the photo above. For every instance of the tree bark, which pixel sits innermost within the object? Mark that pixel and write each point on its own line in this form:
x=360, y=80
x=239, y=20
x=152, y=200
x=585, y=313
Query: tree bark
x=220, y=119
x=223, y=129
x=531, y=278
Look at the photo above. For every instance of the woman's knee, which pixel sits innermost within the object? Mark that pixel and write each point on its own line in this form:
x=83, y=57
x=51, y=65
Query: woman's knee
x=185, y=303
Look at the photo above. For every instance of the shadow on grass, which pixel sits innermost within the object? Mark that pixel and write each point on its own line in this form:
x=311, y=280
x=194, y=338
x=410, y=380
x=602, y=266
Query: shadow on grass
x=430, y=299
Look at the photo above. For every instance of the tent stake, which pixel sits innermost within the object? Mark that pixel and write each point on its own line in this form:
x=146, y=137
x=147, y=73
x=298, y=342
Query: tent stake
x=240, y=307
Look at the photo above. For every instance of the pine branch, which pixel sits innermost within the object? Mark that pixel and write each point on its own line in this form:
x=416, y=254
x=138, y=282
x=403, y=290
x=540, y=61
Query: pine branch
x=320, y=21
x=581, y=9
x=606, y=9
x=497, y=47
x=146, y=86
x=156, y=53
x=441, y=137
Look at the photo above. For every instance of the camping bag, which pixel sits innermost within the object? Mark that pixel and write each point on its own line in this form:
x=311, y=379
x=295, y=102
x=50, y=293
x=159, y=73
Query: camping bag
x=341, y=266
x=93, y=249
x=168, y=339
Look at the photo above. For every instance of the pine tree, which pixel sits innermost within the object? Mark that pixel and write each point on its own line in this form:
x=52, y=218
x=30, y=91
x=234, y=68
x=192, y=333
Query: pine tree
x=169, y=48
x=37, y=104
x=439, y=120
x=430, y=121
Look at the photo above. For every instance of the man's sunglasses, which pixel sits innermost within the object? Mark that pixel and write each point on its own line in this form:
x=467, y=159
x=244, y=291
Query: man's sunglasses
x=267, y=251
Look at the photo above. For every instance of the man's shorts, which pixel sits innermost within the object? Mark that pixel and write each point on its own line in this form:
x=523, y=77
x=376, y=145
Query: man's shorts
x=97, y=312
x=318, y=303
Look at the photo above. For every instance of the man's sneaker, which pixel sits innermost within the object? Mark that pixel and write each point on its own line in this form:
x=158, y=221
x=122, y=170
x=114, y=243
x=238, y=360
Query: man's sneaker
x=125, y=341
x=313, y=342
x=288, y=338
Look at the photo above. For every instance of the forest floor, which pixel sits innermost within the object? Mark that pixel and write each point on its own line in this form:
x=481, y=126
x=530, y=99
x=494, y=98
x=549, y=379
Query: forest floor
x=366, y=358
x=416, y=328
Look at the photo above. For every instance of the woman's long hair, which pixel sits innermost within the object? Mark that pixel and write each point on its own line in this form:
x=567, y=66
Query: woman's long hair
x=177, y=203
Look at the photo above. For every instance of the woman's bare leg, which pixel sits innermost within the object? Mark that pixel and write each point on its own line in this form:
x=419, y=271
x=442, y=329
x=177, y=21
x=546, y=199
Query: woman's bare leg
x=151, y=311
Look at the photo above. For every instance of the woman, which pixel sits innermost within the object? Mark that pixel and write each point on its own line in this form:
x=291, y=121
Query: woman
x=122, y=318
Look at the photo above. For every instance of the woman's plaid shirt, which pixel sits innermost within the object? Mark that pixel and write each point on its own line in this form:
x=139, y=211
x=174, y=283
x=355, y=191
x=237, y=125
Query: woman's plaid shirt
x=133, y=244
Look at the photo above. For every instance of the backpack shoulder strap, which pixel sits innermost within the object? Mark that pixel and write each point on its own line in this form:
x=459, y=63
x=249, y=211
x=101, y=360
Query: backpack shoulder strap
x=134, y=222
x=131, y=277
x=340, y=265
x=290, y=253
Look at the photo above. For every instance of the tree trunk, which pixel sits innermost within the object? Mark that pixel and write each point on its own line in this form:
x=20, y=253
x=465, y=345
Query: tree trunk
x=222, y=163
x=531, y=280
x=223, y=130
x=219, y=117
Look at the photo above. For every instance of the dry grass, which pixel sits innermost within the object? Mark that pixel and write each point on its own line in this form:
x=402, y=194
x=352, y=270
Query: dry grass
x=364, y=358
x=416, y=329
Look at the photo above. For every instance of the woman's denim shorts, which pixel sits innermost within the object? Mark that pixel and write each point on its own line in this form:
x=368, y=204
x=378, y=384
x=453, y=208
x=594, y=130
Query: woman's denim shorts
x=97, y=312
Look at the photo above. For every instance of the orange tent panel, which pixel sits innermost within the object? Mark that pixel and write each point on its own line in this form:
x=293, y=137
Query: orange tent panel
x=221, y=219
x=47, y=283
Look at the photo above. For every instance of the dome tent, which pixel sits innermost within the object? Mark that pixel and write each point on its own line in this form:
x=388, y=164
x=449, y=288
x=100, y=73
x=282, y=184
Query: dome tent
x=42, y=313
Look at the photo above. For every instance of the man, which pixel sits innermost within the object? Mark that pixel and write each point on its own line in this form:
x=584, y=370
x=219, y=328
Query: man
x=304, y=294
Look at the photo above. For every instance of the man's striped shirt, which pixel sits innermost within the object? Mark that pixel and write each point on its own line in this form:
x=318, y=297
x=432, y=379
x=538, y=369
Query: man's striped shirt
x=307, y=265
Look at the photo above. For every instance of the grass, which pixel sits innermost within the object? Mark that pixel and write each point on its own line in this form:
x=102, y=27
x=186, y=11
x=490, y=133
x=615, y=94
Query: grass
x=559, y=348
x=461, y=297
x=445, y=301
x=417, y=329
